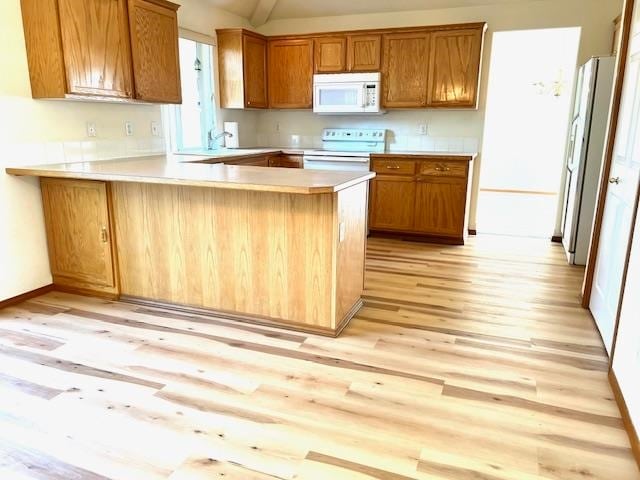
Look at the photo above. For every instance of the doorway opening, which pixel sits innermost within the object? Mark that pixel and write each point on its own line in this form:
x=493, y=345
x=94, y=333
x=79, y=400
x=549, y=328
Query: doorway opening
x=528, y=103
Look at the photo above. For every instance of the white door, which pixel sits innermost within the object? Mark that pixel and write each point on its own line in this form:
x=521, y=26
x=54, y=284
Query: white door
x=620, y=196
x=626, y=359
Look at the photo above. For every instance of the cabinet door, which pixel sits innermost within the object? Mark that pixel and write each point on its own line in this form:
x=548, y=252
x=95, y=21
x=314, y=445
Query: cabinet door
x=95, y=40
x=154, y=48
x=363, y=53
x=78, y=232
x=454, y=68
x=392, y=203
x=255, y=71
x=440, y=206
x=285, y=161
x=330, y=54
x=405, y=69
x=257, y=162
x=291, y=73
x=249, y=161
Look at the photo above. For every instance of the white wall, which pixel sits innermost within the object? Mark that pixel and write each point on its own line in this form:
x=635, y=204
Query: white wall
x=39, y=131
x=448, y=128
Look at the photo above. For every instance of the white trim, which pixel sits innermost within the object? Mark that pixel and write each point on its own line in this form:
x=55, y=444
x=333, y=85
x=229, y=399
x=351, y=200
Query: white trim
x=196, y=36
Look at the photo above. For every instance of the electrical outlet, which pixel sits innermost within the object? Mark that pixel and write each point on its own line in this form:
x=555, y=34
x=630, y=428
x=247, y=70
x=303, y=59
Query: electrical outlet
x=128, y=128
x=422, y=129
x=91, y=129
x=277, y=126
x=155, y=129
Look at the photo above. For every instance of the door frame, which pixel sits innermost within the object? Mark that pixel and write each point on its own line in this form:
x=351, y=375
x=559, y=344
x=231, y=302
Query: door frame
x=621, y=66
x=587, y=286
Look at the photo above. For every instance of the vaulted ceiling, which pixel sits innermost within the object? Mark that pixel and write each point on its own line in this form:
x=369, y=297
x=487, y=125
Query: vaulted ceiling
x=260, y=11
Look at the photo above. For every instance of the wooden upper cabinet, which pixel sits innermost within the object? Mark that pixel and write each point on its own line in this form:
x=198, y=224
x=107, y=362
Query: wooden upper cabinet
x=95, y=39
x=454, y=68
x=242, y=68
x=255, y=68
x=330, y=54
x=78, y=233
x=103, y=49
x=363, y=53
x=405, y=69
x=350, y=53
x=291, y=73
x=154, y=47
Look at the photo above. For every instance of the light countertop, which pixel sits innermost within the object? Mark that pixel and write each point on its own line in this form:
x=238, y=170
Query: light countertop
x=185, y=169
x=226, y=153
x=420, y=153
x=176, y=170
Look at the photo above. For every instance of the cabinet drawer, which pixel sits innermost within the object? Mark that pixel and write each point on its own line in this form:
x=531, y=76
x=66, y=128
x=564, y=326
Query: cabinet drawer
x=394, y=167
x=443, y=169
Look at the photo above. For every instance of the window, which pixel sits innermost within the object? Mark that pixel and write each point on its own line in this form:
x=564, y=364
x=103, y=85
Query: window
x=192, y=123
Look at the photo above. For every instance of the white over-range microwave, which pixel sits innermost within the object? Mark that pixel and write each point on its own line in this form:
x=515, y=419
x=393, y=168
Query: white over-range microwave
x=346, y=93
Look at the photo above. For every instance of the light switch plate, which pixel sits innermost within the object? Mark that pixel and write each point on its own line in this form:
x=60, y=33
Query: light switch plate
x=91, y=129
x=422, y=129
x=155, y=129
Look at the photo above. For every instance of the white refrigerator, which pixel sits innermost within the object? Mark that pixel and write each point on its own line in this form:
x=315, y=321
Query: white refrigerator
x=585, y=151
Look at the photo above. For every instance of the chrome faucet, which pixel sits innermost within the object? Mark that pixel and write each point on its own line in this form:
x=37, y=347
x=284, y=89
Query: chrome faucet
x=212, y=139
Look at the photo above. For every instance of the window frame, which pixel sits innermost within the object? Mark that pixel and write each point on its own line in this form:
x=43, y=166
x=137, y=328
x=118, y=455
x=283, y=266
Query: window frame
x=171, y=116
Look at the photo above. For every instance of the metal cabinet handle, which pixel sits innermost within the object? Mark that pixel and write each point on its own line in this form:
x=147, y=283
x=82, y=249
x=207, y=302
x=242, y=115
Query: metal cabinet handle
x=442, y=168
x=103, y=235
x=615, y=180
x=393, y=167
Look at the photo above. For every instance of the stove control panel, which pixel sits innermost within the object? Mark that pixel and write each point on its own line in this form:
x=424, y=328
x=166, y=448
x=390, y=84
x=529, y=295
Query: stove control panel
x=354, y=135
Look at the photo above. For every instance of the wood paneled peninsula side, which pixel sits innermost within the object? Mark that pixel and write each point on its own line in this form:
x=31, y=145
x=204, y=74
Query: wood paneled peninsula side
x=278, y=246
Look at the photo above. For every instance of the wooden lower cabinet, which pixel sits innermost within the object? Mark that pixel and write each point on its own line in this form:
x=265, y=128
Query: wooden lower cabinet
x=420, y=197
x=79, y=234
x=285, y=161
x=268, y=160
x=256, y=161
x=392, y=200
x=440, y=206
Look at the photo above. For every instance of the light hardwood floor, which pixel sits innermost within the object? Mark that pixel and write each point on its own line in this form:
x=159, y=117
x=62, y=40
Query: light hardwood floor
x=467, y=363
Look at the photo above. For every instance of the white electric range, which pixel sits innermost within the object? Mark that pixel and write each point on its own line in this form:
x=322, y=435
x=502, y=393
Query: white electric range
x=346, y=149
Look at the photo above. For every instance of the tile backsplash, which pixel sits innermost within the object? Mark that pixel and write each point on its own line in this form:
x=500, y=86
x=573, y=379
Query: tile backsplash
x=446, y=131
x=80, y=151
x=396, y=143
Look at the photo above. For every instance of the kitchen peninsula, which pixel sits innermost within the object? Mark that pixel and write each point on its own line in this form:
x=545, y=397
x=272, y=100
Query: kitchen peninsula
x=268, y=245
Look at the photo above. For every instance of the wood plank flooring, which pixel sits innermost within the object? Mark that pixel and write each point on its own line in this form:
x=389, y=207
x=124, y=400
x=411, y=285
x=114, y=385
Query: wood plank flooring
x=466, y=363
